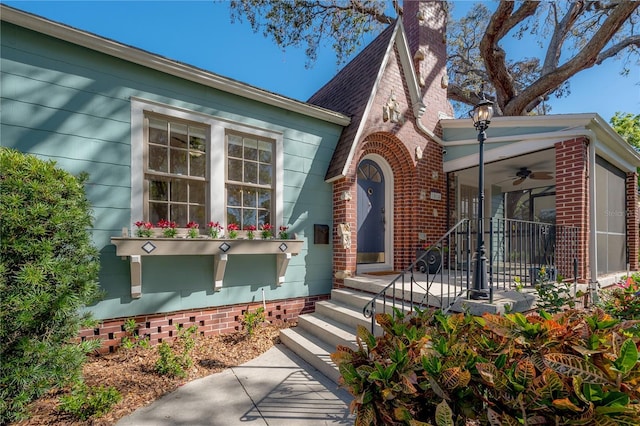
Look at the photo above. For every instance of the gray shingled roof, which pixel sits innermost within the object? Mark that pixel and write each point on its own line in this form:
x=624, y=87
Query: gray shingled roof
x=349, y=93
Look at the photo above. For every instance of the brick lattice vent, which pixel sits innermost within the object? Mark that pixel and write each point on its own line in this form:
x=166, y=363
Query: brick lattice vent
x=211, y=321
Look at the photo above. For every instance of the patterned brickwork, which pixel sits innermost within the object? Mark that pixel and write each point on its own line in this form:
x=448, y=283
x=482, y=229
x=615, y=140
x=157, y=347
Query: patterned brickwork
x=210, y=321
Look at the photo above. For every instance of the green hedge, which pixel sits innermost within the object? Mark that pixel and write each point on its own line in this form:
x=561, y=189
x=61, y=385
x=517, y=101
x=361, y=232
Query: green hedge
x=48, y=272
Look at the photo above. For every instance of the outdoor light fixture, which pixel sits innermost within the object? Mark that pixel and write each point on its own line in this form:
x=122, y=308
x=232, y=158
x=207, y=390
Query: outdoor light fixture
x=481, y=115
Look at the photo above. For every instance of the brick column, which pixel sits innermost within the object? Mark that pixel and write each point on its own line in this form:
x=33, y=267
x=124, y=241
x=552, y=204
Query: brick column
x=633, y=219
x=572, y=207
x=344, y=213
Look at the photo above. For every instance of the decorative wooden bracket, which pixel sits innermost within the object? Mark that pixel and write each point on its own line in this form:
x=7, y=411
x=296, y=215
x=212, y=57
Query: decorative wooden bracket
x=220, y=249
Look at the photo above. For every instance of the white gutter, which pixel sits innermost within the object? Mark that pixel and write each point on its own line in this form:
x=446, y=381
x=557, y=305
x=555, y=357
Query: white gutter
x=427, y=131
x=168, y=66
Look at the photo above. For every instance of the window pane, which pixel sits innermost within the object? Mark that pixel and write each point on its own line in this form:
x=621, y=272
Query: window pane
x=264, y=199
x=197, y=214
x=263, y=217
x=248, y=217
x=198, y=164
x=158, y=190
x=179, y=190
x=197, y=139
x=249, y=197
x=250, y=172
x=158, y=131
x=158, y=211
x=265, y=151
x=178, y=135
x=157, y=159
x=179, y=214
x=234, y=147
x=235, y=170
x=233, y=216
x=197, y=193
x=178, y=150
x=234, y=195
x=178, y=162
x=250, y=149
x=265, y=174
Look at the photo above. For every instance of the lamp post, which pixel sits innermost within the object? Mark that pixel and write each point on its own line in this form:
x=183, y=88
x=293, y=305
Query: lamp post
x=481, y=116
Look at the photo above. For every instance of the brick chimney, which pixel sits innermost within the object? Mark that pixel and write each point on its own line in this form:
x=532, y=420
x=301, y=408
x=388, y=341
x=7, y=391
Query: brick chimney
x=425, y=23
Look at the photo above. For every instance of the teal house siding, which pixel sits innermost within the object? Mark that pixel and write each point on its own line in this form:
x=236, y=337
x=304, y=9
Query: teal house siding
x=72, y=104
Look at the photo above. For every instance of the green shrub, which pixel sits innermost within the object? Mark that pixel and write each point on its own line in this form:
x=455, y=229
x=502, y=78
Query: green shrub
x=553, y=297
x=176, y=360
x=576, y=366
x=623, y=299
x=48, y=273
x=251, y=320
x=132, y=339
x=84, y=401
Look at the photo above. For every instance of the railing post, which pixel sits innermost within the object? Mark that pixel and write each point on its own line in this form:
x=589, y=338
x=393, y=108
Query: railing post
x=468, y=256
x=490, y=260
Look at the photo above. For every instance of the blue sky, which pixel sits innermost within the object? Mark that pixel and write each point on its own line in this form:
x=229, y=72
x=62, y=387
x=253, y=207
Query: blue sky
x=200, y=33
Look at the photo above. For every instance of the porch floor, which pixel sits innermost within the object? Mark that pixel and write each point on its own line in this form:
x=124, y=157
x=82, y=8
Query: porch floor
x=444, y=290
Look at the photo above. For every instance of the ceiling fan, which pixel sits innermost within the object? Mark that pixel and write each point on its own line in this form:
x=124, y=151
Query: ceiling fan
x=525, y=173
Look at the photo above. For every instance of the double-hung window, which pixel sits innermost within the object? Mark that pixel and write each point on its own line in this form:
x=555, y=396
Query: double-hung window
x=249, y=182
x=175, y=171
x=188, y=166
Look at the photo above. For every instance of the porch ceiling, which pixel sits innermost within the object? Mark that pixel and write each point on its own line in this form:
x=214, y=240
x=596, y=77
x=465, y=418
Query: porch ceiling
x=503, y=172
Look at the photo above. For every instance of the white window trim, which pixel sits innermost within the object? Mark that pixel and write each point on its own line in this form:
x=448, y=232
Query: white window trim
x=216, y=157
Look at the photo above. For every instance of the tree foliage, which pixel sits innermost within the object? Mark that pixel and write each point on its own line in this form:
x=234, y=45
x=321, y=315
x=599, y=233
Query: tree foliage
x=48, y=272
x=628, y=126
x=577, y=34
x=308, y=22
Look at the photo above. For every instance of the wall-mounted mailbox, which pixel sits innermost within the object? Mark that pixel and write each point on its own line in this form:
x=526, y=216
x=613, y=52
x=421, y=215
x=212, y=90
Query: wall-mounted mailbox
x=321, y=234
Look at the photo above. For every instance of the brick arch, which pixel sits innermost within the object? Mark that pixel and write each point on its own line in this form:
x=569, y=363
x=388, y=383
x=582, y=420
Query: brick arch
x=402, y=166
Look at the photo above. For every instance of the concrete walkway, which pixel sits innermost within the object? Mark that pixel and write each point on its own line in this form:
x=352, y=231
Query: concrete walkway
x=278, y=389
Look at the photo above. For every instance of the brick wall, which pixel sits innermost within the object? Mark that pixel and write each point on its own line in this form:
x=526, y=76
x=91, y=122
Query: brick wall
x=210, y=321
x=572, y=203
x=633, y=219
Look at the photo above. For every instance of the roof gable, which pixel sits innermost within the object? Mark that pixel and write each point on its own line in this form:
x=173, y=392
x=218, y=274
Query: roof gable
x=353, y=90
x=350, y=92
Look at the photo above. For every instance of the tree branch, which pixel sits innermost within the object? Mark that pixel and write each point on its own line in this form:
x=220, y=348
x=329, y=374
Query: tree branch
x=457, y=94
x=560, y=34
x=494, y=56
x=356, y=5
x=586, y=58
x=617, y=48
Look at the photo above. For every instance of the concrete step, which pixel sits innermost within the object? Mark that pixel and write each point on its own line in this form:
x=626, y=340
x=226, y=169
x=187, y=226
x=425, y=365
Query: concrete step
x=358, y=299
x=328, y=330
x=433, y=293
x=345, y=314
x=351, y=297
x=312, y=349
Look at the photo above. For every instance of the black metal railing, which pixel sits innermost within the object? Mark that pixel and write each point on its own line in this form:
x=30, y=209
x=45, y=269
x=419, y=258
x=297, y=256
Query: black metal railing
x=439, y=276
x=520, y=253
